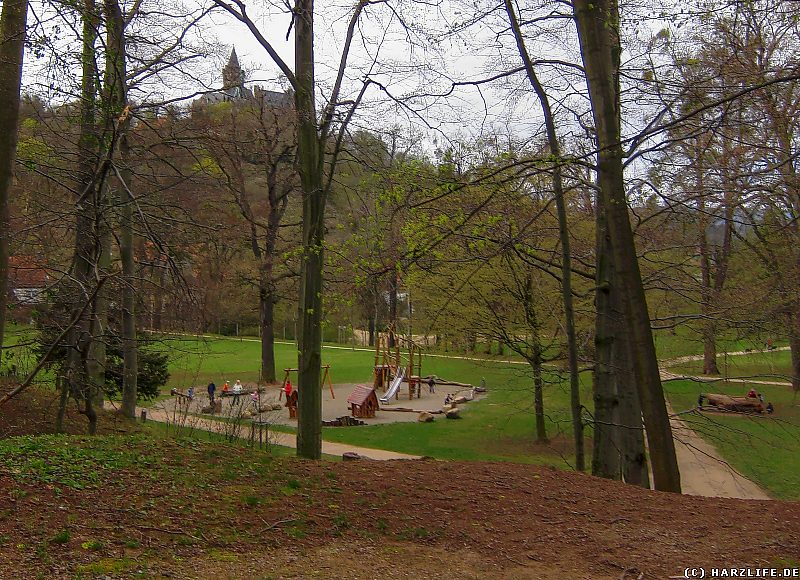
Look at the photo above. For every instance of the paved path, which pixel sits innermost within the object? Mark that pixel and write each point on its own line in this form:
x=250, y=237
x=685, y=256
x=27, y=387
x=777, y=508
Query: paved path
x=278, y=438
x=703, y=471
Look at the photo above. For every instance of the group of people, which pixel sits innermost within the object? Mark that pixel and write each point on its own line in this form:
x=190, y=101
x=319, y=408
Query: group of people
x=753, y=394
x=226, y=389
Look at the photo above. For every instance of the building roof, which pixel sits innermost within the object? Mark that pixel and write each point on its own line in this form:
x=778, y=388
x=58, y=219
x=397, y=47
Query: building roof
x=24, y=272
x=360, y=395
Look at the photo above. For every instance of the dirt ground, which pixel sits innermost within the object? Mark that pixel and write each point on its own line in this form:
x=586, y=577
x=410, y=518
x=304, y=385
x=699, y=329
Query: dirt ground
x=371, y=519
x=191, y=509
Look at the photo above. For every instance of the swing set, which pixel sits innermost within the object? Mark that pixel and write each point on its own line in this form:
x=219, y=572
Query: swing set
x=291, y=399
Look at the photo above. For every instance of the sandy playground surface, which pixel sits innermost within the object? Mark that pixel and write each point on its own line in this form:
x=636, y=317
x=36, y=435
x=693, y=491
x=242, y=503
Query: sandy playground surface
x=335, y=407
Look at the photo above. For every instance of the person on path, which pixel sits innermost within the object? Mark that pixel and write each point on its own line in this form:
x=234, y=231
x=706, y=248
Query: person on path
x=212, y=389
x=770, y=408
x=237, y=390
x=431, y=385
x=287, y=389
x=190, y=393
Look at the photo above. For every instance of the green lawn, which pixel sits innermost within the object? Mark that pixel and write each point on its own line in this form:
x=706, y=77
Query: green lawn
x=771, y=365
x=198, y=361
x=683, y=341
x=500, y=427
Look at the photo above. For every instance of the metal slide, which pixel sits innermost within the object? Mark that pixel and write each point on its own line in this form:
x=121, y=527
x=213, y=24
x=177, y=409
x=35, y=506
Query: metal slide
x=396, y=382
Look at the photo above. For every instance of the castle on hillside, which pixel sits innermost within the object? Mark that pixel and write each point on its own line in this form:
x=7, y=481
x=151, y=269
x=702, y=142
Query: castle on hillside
x=234, y=91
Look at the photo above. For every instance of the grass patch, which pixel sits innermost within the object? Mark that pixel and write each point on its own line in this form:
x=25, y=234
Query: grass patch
x=773, y=365
x=108, y=566
x=64, y=460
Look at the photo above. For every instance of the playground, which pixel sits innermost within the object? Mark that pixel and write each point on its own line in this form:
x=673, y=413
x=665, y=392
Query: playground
x=333, y=406
x=398, y=392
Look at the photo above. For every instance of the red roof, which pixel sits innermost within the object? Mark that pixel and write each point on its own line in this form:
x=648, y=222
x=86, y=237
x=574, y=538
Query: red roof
x=360, y=395
x=25, y=273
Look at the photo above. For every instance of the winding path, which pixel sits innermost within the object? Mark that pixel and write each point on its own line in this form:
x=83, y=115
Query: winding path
x=703, y=470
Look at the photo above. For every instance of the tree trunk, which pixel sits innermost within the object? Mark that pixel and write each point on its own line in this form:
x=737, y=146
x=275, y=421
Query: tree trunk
x=117, y=103
x=12, y=40
x=79, y=338
x=393, y=283
x=309, y=160
x=633, y=458
x=96, y=360
x=267, y=318
x=793, y=321
x=63, y=388
x=538, y=401
x=606, y=449
x=706, y=287
x=598, y=32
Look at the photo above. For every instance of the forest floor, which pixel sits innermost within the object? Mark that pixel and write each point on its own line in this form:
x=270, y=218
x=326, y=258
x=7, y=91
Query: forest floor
x=135, y=505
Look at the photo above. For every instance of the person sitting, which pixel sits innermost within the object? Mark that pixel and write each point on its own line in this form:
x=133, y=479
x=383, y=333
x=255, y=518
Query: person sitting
x=752, y=394
x=770, y=409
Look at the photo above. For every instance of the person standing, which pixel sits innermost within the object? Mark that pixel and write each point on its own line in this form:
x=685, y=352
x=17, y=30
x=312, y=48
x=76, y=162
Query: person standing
x=212, y=389
x=431, y=385
x=287, y=389
x=237, y=390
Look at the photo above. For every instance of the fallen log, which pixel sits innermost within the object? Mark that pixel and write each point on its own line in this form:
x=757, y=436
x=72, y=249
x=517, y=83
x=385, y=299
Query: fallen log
x=407, y=410
x=737, y=404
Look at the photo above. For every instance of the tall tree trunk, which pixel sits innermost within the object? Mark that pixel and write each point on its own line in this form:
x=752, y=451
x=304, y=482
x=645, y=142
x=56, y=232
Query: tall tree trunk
x=607, y=444
x=393, y=284
x=96, y=360
x=563, y=230
x=12, y=41
x=309, y=159
x=79, y=338
x=633, y=458
x=793, y=323
x=117, y=106
x=598, y=32
x=538, y=401
x=618, y=451
x=267, y=318
x=706, y=306
x=63, y=389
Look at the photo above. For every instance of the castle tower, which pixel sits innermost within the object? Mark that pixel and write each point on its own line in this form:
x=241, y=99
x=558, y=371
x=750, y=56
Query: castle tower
x=232, y=75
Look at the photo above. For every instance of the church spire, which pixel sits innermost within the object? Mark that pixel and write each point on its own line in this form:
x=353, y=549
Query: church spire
x=232, y=75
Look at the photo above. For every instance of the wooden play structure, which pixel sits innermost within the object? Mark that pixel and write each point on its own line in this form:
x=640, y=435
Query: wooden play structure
x=363, y=402
x=326, y=376
x=396, y=358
